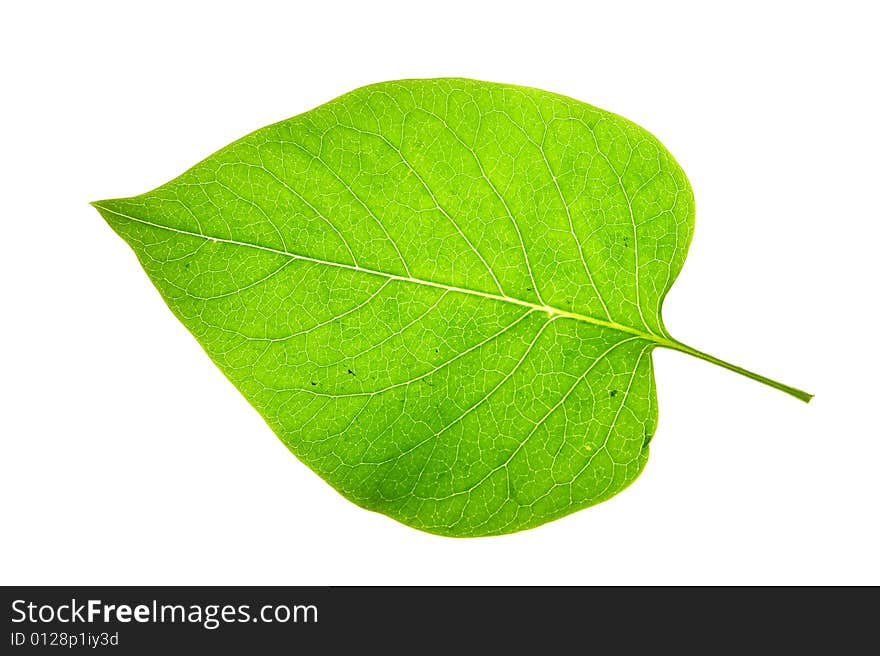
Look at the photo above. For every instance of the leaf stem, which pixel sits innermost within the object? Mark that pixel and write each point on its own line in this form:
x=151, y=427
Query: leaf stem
x=102, y=206
x=793, y=391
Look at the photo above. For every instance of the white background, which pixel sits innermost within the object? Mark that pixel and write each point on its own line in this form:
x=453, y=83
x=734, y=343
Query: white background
x=128, y=458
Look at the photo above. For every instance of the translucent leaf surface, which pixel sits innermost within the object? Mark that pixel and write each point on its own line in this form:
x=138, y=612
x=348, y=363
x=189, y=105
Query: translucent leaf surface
x=442, y=295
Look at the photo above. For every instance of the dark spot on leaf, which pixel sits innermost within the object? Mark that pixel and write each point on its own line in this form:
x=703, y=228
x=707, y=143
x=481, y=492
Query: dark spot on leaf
x=351, y=372
x=613, y=392
x=314, y=383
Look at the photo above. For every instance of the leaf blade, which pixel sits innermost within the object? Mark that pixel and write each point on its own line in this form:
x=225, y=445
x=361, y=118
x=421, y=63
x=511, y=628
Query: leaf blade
x=433, y=293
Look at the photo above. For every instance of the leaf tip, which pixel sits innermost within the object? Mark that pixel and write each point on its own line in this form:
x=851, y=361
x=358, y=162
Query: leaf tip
x=105, y=207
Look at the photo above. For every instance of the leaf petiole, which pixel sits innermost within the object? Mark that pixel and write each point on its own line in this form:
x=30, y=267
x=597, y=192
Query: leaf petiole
x=793, y=391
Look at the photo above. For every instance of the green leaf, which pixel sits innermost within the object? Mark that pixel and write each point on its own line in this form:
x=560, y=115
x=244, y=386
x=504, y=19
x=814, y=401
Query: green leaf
x=442, y=295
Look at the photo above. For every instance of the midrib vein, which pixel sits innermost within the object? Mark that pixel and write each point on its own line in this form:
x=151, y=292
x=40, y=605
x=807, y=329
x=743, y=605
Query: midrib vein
x=550, y=310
